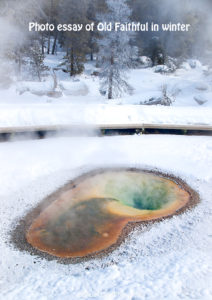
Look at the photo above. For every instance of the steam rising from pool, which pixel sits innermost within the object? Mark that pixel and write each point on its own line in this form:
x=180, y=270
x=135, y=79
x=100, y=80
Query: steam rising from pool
x=90, y=216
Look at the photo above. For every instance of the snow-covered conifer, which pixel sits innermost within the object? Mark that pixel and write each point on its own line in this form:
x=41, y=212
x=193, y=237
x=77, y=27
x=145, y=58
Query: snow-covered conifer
x=38, y=69
x=115, y=51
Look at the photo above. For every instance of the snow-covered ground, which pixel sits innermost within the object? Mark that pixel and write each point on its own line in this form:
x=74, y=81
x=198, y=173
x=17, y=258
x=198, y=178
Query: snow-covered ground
x=28, y=104
x=185, y=84
x=167, y=260
x=24, y=115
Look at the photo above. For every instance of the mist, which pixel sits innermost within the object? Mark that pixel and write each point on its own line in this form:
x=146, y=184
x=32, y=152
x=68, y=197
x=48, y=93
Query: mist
x=16, y=15
x=193, y=12
x=24, y=55
x=14, y=35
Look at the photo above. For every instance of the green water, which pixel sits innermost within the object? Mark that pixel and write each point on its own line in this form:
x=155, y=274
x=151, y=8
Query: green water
x=139, y=194
x=77, y=226
x=89, y=225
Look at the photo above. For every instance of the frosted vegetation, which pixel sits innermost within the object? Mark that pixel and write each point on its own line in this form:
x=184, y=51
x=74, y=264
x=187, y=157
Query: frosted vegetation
x=115, y=51
x=108, y=58
x=46, y=78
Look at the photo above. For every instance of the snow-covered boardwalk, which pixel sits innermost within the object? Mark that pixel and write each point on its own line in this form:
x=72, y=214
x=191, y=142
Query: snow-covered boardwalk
x=31, y=117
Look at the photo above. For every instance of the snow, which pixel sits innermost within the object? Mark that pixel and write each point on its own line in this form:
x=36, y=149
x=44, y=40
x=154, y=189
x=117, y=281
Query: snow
x=24, y=115
x=74, y=88
x=186, y=83
x=171, y=259
x=26, y=103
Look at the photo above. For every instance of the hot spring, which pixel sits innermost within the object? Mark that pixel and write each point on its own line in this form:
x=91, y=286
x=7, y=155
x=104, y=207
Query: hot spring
x=89, y=216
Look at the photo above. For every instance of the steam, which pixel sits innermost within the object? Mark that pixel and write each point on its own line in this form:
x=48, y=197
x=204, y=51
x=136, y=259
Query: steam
x=10, y=37
x=16, y=15
x=194, y=12
x=14, y=19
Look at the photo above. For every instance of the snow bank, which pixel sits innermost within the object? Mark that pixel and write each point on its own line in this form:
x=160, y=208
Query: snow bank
x=188, y=82
x=75, y=88
x=66, y=114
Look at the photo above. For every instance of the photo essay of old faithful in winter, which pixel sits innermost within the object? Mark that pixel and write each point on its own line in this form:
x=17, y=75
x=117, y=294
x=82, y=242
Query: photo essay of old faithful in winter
x=105, y=149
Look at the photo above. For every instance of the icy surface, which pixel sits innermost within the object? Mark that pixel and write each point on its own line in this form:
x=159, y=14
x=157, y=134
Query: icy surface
x=167, y=260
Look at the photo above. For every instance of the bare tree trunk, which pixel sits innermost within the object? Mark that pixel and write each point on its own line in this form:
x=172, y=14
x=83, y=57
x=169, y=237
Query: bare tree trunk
x=55, y=43
x=42, y=44
x=50, y=20
x=38, y=73
x=110, y=87
x=97, y=61
x=48, y=48
x=54, y=79
x=72, y=62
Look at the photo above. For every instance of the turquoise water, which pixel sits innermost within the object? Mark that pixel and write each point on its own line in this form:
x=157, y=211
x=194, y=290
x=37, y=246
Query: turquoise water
x=140, y=194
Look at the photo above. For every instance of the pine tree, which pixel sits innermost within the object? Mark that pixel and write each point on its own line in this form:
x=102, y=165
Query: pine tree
x=51, y=9
x=94, y=8
x=115, y=50
x=37, y=61
x=75, y=43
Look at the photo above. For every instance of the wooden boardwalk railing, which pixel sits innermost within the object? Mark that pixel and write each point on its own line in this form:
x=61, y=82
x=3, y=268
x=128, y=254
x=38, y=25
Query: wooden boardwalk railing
x=22, y=129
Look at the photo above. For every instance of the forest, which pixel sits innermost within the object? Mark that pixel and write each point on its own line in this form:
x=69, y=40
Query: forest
x=25, y=45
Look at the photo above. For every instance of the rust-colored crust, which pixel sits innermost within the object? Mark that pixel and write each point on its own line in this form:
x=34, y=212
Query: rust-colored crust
x=18, y=235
